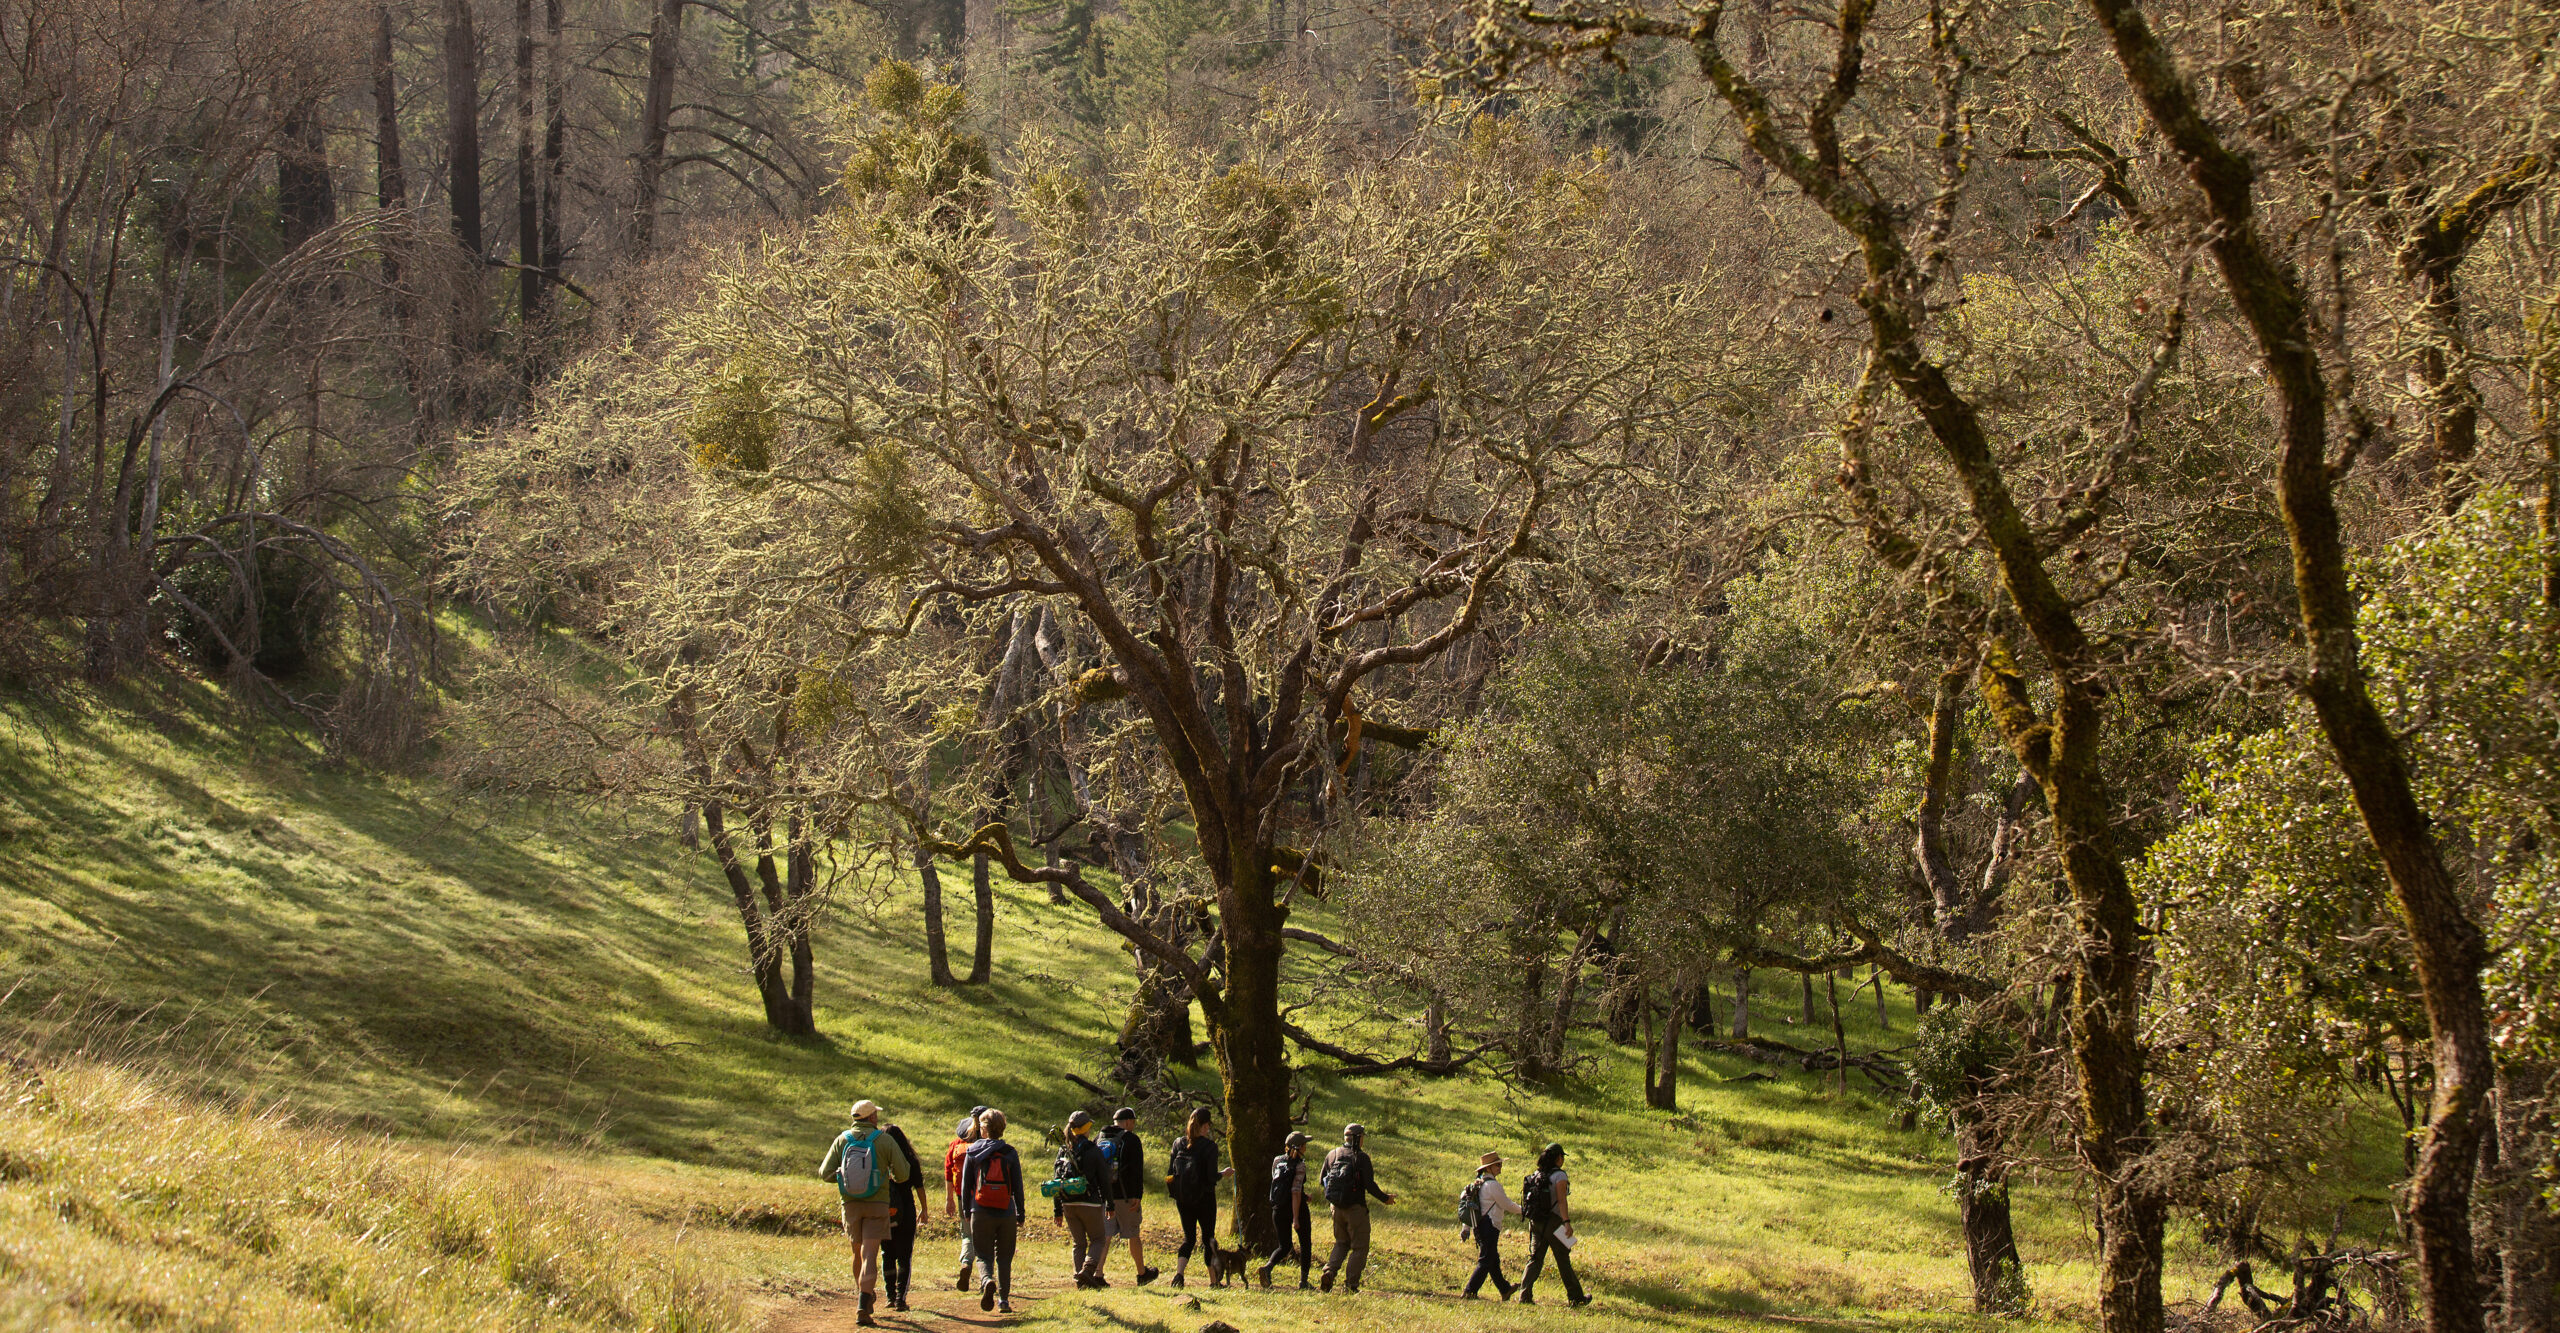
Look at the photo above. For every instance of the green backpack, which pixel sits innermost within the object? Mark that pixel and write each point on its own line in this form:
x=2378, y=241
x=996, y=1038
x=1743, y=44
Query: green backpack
x=861, y=1161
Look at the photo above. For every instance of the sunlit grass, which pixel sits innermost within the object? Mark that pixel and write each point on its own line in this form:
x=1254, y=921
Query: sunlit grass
x=560, y=995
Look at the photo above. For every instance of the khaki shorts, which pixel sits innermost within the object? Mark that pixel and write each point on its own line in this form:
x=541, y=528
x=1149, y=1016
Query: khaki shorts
x=869, y=1220
x=1127, y=1213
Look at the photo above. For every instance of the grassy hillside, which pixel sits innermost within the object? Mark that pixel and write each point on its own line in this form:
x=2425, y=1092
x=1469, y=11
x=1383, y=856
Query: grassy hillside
x=563, y=992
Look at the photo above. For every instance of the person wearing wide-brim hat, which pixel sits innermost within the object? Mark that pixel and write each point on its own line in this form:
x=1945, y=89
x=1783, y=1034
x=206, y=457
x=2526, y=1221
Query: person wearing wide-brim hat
x=1491, y=1206
x=1546, y=1200
x=864, y=1163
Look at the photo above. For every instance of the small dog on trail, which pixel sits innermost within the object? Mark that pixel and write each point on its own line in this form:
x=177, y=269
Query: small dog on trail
x=1223, y=1263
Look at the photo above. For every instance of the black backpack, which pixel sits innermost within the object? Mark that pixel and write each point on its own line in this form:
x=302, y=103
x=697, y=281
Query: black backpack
x=1537, y=1196
x=1283, y=1175
x=1342, y=1181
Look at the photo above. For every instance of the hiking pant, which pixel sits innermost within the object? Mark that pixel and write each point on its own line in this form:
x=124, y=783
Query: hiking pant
x=1350, y=1243
x=1198, y=1218
x=1542, y=1242
x=1284, y=1217
x=991, y=1233
x=866, y=1225
x=898, y=1258
x=1085, y=1229
x=1489, y=1261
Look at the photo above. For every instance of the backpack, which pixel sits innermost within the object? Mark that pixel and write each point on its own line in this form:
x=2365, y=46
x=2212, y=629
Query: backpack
x=861, y=1161
x=1067, y=1181
x=1470, y=1206
x=994, y=1191
x=1341, y=1181
x=1537, y=1196
x=1284, y=1177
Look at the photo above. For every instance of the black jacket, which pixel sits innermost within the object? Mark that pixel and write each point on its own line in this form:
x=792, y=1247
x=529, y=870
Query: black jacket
x=1193, y=1165
x=1128, y=1163
x=1083, y=1157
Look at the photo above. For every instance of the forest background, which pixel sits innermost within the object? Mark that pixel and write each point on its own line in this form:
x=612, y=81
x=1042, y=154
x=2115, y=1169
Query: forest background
x=1438, y=532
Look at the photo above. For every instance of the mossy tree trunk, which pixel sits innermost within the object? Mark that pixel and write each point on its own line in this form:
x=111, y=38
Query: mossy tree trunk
x=2448, y=943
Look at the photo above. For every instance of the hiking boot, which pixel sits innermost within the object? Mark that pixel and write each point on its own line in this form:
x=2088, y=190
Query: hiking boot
x=1003, y=1306
x=1176, y=1284
x=862, y=1317
x=1526, y=1298
x=1325, y=1285
x=1579, y=1301
x=1266, y=1277
x=961, y=1283
x=898, y=1303
x=1147, y=1275
x=987, y=1294
x=1302, y=1279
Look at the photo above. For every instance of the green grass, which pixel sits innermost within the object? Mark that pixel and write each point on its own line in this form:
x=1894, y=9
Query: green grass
x=563, y=991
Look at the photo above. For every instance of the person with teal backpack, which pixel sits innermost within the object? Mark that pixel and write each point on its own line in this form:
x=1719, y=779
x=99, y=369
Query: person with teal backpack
x=864, y=1163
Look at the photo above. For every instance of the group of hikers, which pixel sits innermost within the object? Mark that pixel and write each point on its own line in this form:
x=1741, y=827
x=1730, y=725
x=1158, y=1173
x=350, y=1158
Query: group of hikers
x=1097, y=1188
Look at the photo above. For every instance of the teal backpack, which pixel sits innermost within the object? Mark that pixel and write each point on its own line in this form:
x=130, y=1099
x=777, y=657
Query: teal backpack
x=861, y=1161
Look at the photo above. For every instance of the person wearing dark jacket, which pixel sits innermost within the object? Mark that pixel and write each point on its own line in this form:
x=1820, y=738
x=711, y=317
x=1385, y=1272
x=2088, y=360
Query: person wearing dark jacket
x=1350, y=1220
x=1085, y=1214
x=898, y=1252
x=1193, y=1172
x=1546, y=1200
x=1289, y=1212
x=991, y=1194
x=1128, y=1156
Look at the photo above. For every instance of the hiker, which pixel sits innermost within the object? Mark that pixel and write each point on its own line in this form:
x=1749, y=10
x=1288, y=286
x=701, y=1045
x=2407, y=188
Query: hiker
x=1082, y=1185
x=909, y=1211
x=1128, y=1156
x=1546, y=1201
x=1349, y=1182
x=864, y=1162
x=1192, y=1175
x=991, y=1208
x=962, y=1135
x=1289, y=1209
x=1480, y=1212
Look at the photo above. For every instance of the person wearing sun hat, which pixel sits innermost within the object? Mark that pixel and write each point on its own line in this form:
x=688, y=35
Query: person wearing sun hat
x=864, y=1163
x=1491, y=1204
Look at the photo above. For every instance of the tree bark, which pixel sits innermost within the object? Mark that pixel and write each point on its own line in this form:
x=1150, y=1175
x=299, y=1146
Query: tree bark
x=2447, y=942
x=1244, y=1028
x=2529, y=1239
x=530, y=288
x=1982, y=1205
x=666, y=28
x=462, y=123
x=982, y=959
x=306, y=198
x=1663, y=1093
x=555, y=133
x=1937, y=788
x=764, y=951
x=937, y=948
x=1741, y=1004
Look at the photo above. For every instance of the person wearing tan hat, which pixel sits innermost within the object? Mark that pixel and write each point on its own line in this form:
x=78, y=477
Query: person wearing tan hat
x=1490, y=1206
x=865, y=1163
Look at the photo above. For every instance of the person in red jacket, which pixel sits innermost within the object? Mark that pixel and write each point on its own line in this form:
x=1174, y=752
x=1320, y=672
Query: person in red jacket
x=962, y=1136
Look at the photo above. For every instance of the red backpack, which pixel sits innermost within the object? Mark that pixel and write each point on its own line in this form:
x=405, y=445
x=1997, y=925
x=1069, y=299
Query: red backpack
x=994, y=1191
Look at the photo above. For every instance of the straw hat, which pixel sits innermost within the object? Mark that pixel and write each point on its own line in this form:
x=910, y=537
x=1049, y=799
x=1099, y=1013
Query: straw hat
x=1490, y=1159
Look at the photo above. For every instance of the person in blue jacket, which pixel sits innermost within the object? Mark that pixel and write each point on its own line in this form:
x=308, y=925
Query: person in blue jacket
x=991, y=1193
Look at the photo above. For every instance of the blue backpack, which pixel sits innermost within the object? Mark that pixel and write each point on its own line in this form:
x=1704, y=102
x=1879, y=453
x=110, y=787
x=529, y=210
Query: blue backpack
x=861, y=1161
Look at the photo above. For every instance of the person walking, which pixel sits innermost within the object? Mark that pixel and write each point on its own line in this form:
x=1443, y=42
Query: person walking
x=991, y=1200
x=909, y=1211
x=863, y=1162
x=962, y=1135
x=1489, y=1205
x=1085, y=1214
x=1289, y=1210
x=1128, y=1156
x=1349, y=1182
x=1546, y=1201
x=1192, y=1175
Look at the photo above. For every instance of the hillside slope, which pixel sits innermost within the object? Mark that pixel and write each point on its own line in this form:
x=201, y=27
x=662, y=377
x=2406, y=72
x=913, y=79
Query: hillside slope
x=183, y=883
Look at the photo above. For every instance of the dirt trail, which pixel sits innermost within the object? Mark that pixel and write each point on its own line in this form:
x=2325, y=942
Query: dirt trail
x=936, y=1309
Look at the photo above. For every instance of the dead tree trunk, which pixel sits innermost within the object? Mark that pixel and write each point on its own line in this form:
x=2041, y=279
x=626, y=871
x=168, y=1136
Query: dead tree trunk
x=530, y=286
x=657, y=108
x=462, y=123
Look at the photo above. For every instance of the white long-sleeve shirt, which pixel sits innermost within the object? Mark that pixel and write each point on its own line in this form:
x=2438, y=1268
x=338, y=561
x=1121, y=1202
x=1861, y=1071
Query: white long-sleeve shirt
x=1492, y=1202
